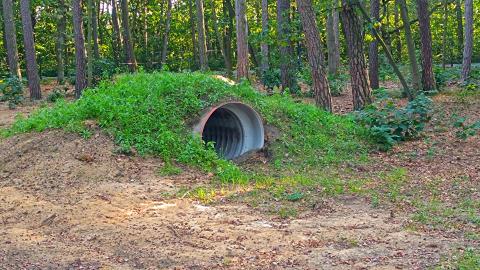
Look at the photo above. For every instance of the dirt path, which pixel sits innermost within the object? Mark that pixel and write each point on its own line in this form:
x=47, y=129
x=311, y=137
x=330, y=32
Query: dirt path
x=70, y=203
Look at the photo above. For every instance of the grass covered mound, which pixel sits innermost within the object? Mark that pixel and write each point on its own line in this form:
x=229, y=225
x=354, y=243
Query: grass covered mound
x=151, y=113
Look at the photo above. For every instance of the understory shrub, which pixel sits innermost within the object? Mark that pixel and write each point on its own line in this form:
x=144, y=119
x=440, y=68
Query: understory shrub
x=389, y=124
x=11, y=91
x=152, y=113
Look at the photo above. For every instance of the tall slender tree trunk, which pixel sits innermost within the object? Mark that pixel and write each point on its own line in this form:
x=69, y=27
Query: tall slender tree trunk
x=80, y=77
x=229, y=13
x=60, y=44
x=321, y=90
x=444, y=34
x=90, y=56
x=286, y=55
x=373, y=50
x=265, y=66
x=167, y=32
x=333, y=39
x=202, y=41
x=468, y=47
x=117, y=34
x=29, y=44
x=96, y=49
x=218, y=33
x=459, y=19
x=127, y=38
x=410, y=44
x=11, y=39
x=352, y=29
x=193, y=34
x=396, y=22
x=428, y=77
x=242, y=43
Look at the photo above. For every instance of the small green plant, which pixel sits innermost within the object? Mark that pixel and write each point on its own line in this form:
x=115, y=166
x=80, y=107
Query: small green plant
x=56, y=95
x=11, y=91
x=389, y=124
x=469, y=259
x=338, y=83
x=465, y=130
x=169, y=169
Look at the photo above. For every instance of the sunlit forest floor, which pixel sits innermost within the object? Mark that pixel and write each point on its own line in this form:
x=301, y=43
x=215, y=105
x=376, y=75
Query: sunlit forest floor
x=67, y=202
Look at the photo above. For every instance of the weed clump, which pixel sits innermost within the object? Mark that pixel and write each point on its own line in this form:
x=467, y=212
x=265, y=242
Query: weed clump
x=151, y=113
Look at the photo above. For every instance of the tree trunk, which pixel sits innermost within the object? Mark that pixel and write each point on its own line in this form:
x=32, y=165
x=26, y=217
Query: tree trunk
x=444, y=34
x=467, y=48
x=373, y=50
x=352, y=30
x=286, y=57
x=202, y=41
x=333, y=40
x=80, y=78
x=218, y=33
x=428, y=77
x=60, y=44
x=242, y=43
x=229, y=13
x=459, y=18
x=193, y=34
x=396, y=21
x=127, y=38
x=265, y=66
x=11, y=39
x=29, y=44
x=410, y=44
x=90, y=56
x=321, y=90
x=96, y=50
x=167, y=32
x=117, y=34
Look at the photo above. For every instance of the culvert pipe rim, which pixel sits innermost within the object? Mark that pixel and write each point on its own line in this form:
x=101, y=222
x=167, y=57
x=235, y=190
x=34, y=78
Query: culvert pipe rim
x=234, y=127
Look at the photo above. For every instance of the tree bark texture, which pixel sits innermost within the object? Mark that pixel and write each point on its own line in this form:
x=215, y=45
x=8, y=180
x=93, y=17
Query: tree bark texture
x=352, y=30
x=11, y=39
x=333, y=39
x=459, y=19
x=242, y=42
x=167, y=32
x=468, y=46
x=265, y=66
x=80, y=77
x=286, y=56
x=127, y=38
x=117, y=34
x=321, y=89
x=202, y=39
x=60, y=44
x=428, y=77
x=373, y=49
x=229, y=13
x=30, y=57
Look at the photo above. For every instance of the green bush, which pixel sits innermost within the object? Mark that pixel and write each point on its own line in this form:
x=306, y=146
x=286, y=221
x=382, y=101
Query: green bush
x=11, y=91
x=389, y=124
x=152, y=114
x=338, y=83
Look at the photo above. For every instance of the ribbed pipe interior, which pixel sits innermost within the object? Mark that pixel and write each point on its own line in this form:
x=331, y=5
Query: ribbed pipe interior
x=225, y=130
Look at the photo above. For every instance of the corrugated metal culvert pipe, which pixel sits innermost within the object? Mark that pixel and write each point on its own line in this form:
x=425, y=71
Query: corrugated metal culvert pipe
x=234, y=127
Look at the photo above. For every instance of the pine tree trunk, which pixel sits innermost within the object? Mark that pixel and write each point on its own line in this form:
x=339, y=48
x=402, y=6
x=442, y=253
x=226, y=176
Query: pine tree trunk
x=96, y=50
x=202, y=41
x=117, y=34
x=352, y=30
x=265, y=66
x=60, y=44
x=444, y=34
x=11, y=39
x=167, y=32
x=410, y=44
x=80, y=78
x=459, y=19
x=333, y=40
x=127, y=38
x=89, y=43
x=321, y=90
x=428, y=77
x=468, y=47
x=229, y=13
x=373, y=50
x=396, y=18
x=218, y=32
x=193, y=34
x=286, y=55
x=29, y=44
x=242, y=43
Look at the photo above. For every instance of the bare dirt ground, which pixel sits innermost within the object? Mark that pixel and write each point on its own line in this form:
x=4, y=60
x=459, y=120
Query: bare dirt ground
x=70, y=203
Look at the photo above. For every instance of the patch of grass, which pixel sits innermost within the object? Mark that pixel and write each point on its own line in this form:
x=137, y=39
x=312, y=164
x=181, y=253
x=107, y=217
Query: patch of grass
x=169, y=169
x=151, y=113
x=469, y=259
